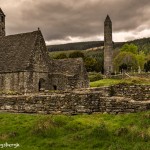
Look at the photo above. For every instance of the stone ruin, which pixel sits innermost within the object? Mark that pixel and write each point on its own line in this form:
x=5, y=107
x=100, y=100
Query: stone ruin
x=25, y=65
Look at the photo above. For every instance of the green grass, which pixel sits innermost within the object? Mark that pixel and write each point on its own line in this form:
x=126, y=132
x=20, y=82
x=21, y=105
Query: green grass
x=108, y=82
x=104, y=82
x=54, y=54
x=87, y=53
x=81, y=132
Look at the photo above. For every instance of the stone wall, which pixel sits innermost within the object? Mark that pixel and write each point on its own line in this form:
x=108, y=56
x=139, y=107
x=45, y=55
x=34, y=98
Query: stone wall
x=69, y=74
x=75, y=102
x=23, y=82
x=136, y=92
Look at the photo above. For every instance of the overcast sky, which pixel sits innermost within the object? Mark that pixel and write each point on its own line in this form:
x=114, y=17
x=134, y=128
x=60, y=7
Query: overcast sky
x=63, y=21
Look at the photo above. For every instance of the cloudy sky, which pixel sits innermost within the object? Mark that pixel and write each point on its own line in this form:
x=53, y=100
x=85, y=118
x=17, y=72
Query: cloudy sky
x=65, y=21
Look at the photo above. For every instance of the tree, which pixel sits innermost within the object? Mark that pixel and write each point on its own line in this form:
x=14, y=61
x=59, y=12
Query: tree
x=130, y=48
x=141, y=59
x=61, y=56
x=90, y=64
x=127, y=58
x=76, y=54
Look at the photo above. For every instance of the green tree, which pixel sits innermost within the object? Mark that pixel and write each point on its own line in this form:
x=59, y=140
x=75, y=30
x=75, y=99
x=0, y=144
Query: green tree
x=141, y=59
x=76, y=54
x=130, y=48
x=90, y=64
x=127, y=58
x=61, y=56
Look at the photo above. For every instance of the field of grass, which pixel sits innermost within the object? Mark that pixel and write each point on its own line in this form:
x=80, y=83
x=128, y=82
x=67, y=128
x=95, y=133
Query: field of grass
x=54, y=54
x=87, y=53
x=81, y=132
x=108, y=82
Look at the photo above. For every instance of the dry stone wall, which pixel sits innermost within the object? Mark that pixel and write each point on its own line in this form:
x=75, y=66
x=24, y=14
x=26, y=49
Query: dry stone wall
x=136, y=92
x=76, y=102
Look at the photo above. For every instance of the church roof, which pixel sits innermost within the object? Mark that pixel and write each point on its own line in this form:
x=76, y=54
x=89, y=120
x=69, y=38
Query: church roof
x=15, y=51
x=69, y=66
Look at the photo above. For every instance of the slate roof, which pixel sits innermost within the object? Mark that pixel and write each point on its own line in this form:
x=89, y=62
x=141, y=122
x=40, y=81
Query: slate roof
x=70, y=66
x=15, y=51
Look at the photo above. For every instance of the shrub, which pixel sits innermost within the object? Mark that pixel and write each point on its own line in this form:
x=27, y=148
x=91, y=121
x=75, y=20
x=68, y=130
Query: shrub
x=60, y=56
x=90, y=64
x=76, y=54
x=95, y=76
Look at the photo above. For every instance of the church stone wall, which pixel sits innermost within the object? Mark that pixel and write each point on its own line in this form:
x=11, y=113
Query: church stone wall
x=23, y=82
x=67, y=82
x=13, y=81
x=69, y=74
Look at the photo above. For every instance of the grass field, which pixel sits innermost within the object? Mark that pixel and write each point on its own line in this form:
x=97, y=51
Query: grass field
x=87, y=53
x=108, y=82
x=81, y=132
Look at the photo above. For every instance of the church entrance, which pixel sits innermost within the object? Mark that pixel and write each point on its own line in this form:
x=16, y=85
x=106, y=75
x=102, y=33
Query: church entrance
x=55, y=87
x=41, y=84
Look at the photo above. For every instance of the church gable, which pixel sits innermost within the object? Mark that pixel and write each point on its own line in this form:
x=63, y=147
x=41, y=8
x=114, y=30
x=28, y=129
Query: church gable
x=40, y=58
x=16, y=51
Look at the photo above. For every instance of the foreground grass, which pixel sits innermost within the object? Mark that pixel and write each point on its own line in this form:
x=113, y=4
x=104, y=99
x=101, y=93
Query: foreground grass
x=81, y=132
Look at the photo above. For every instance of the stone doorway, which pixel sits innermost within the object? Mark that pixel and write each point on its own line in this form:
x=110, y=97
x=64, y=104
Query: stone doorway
x=55, y=87
x=41, y=84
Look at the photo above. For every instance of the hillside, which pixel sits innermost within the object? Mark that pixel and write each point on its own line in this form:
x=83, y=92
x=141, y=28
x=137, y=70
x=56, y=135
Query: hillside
x=80, y=132
x=75, y=46
x=143, y=44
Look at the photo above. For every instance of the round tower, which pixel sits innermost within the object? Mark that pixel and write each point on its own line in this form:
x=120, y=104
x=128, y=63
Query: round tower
x=108, y=46
x=2, y=23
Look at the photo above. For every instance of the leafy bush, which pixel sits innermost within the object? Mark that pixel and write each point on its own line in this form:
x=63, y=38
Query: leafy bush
x=132, y=48
x=60, y=56
x=76, y=54
x=95, y=76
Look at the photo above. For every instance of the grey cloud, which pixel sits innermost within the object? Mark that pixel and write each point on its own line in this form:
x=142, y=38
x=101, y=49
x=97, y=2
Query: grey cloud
x=76, y=18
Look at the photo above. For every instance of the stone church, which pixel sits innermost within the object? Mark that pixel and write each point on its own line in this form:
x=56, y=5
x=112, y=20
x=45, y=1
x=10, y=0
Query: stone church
x=25, y=65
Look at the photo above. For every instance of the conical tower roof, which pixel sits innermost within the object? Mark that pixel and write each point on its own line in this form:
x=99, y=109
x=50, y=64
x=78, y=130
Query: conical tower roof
x=107, y=19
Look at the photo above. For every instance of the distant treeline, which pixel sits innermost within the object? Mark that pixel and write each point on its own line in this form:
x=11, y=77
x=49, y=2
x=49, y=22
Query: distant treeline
x=143, y=44
x=75, y=46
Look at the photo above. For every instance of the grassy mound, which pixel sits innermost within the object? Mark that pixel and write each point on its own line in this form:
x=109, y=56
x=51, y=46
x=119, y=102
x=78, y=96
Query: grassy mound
x=81, y=132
